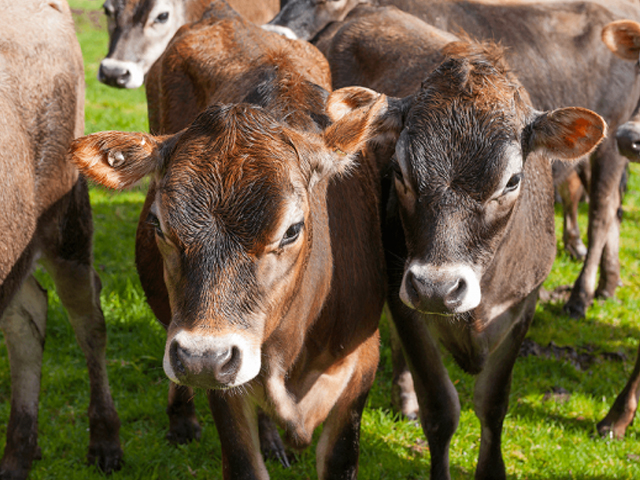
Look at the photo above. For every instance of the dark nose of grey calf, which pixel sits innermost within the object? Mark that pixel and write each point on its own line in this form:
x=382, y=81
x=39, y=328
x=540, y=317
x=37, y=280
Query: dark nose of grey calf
x=429, y=296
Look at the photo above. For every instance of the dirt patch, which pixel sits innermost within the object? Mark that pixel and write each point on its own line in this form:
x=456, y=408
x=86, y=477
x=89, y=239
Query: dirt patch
x=581, y=357
x=558, y=294
x=94, y=17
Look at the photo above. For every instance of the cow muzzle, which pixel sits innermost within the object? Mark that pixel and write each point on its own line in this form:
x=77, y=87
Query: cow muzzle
x=443, y=289
x=211, y=362
x=119, y=74
x=628, y=139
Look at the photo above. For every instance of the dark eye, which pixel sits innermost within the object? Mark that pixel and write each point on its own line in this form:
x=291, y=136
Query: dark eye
x=155, y=223
x=291, y=234
x=513, y=183
x=162, y=18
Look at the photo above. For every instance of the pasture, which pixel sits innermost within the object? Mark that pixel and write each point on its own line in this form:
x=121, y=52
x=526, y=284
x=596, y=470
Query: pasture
x=556, y=399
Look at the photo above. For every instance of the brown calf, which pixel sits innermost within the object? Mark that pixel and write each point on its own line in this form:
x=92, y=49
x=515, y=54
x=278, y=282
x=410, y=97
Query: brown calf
x=139, y=31
x=549, y=44
x=181, y=85
x=272, y=260
x=46, y=217
x=470, y=231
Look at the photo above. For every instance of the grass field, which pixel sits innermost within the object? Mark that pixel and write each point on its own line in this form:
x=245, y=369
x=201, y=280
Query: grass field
x=545, y=436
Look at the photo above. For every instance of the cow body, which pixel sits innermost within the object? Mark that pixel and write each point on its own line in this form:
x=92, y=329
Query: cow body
x=551, y=44
x=46, y=217
x=140, y=30
x=623, y=38
x=469, y=232
x=272, y=302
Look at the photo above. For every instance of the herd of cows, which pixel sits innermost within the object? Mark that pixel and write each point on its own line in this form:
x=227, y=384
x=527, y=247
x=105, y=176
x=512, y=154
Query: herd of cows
x=304, y=174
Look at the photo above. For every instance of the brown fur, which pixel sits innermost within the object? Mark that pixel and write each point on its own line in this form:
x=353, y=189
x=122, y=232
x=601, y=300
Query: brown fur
x=314, y=306
x=46, y=215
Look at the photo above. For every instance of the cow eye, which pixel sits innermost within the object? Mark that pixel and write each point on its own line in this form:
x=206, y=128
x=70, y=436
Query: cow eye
x=152, y=220
x=162, y=18
x=292, y=233
x=513, y=183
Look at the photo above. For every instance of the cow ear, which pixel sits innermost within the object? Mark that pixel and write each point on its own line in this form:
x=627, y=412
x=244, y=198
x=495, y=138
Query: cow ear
x=361, y=116
x=623, y=38
x=117, y=159
x=565, y=133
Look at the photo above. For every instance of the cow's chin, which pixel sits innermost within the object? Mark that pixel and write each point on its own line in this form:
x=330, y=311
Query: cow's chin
x=211, y=362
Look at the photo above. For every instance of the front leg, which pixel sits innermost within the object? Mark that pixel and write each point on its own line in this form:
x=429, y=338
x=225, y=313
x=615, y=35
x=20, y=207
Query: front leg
x=491, y=394
x=437, y=397
x=624, y=408
x=237, y=422
x=338, y=449
x=23, y=324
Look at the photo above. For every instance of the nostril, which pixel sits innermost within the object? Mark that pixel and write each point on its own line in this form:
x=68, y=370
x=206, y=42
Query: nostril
x=229, y=365
x=124, y=78
x=177, y=355
x=456, y=293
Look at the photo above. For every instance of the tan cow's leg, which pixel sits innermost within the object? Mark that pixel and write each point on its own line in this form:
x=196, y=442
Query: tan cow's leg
x=624, y=408
x=68, y=258
x=23, y=324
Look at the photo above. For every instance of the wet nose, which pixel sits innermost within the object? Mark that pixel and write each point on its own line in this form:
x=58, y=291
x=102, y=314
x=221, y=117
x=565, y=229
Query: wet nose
x=208, y=368
x=114, y=75
x=628, y=139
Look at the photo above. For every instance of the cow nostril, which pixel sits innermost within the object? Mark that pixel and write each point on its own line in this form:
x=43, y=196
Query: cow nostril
x=124, y=78
x=456, y=293
x=177, y=355
x=229, y=365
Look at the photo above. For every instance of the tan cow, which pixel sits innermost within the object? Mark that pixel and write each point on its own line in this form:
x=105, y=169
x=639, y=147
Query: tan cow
x=45, y=216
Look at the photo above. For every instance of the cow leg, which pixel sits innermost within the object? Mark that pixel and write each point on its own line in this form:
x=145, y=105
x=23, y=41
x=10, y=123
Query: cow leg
x=437, y=397
x=610, y=261
x=607, y=170
x=571, y=191
x=23, y=323
x=271, y=444
x=338, y=448
x=68, y=259
x=623, y=410
x=491, y=396
x=183, y=423
x=237, y=424
x=403, y=394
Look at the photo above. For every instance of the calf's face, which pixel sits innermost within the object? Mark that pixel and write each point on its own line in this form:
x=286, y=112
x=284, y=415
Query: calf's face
x=237, y=195
x=139, y=31
x=459, y=165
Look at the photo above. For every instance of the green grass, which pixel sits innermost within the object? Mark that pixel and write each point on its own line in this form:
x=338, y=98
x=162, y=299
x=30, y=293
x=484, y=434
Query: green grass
x=543, y=439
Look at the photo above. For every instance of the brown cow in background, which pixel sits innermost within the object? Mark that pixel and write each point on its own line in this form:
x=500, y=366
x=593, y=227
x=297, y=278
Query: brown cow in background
x=623, y=38
x=45, y=217
x=272, y=259
x=139, y=31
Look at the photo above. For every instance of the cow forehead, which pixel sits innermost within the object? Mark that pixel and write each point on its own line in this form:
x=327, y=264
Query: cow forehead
x=230, y=173
x=456, y=146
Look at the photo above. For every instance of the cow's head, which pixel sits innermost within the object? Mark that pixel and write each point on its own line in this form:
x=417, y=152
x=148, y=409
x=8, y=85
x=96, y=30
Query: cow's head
x=239, y=205
x=623, y=39
x=459, y=166
x=139, y=31
x=305, y=18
